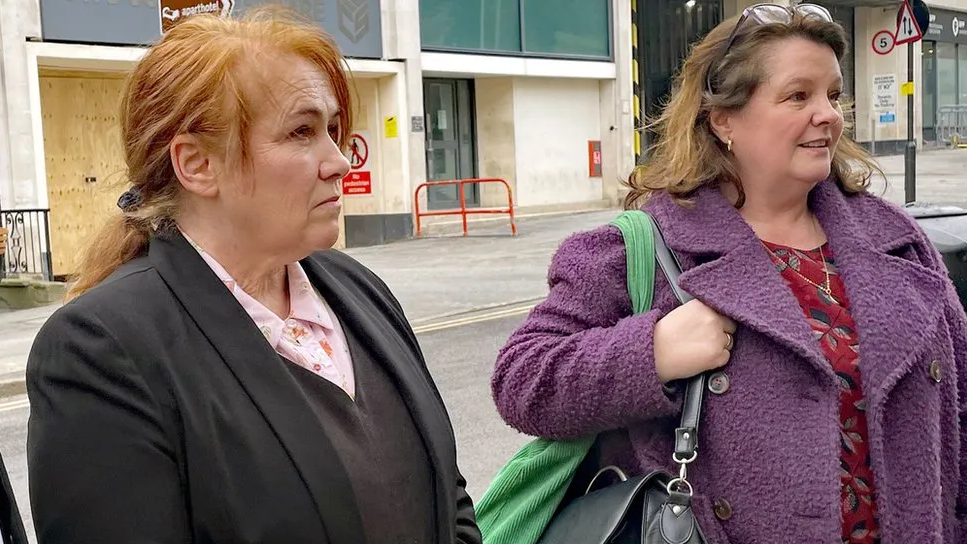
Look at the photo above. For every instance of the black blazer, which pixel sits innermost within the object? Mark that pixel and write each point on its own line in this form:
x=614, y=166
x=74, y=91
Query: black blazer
x=11, y=526
x=159, y=414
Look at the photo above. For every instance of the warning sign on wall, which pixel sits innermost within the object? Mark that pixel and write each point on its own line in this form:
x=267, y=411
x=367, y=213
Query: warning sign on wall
x=358, y=151
x=358, y=183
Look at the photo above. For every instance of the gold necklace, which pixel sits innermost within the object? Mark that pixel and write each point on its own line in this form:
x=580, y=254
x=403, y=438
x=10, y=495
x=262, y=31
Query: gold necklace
x=826, y=285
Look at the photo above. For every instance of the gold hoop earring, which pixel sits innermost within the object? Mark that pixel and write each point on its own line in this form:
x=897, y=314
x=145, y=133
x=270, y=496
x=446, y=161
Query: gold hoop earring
x=728, y=145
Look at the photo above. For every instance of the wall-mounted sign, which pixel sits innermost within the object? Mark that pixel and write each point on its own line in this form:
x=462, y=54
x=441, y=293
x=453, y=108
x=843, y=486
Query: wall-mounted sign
x=358, y=183
x=172, y=11
x=390, y=126
x=884, y=92
x=355, y=24
x=358, y=151
x=947, y=26
x=416, y=123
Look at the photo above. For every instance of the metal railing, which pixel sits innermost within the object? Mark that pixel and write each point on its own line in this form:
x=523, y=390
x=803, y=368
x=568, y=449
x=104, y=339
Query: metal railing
x=463, y=211
x=28, y=243
x=952, y=125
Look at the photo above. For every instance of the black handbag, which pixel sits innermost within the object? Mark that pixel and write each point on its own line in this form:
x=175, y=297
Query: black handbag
x=651, y=509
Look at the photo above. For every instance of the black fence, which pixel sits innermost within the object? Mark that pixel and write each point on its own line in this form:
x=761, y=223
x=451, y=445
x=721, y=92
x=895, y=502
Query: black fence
x=28, y=243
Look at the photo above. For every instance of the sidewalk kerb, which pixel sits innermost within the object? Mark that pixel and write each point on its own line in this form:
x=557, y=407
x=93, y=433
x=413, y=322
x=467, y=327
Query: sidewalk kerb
x=12, y=386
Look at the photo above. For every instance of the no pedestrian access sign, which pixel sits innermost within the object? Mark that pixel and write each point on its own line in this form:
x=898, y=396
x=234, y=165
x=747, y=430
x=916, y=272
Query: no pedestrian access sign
x=358, y=151
x=172, y=11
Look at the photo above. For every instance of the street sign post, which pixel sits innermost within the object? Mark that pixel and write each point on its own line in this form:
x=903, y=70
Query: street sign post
x=908, y=31
x=172, y=11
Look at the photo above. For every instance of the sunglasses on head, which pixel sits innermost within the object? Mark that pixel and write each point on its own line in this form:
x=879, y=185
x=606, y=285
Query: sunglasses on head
x=764, y=14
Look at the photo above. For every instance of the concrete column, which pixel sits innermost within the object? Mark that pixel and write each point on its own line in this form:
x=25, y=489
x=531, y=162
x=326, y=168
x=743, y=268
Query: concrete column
x=401, y=41
x=617, y=118
x=400, y=161
x=19, y=20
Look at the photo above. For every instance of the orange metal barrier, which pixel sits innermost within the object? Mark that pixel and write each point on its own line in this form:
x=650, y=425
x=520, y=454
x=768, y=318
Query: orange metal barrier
x=464, y=211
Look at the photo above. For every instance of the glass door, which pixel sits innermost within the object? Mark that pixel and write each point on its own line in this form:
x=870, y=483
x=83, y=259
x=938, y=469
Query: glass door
x=450, y=141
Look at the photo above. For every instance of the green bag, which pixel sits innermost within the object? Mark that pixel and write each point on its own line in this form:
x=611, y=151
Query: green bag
x=525, y=494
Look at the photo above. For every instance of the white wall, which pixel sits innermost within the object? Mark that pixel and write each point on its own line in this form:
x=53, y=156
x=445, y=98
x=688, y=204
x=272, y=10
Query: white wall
x=553, y=121
x=496, y=151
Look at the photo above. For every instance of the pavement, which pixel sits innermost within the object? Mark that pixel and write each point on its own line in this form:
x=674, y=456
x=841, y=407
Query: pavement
x=437, y=280
x=440, y=279
x=941, y=177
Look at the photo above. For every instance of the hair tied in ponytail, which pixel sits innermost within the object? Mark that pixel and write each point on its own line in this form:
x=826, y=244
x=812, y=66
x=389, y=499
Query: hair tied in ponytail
x=131, y=199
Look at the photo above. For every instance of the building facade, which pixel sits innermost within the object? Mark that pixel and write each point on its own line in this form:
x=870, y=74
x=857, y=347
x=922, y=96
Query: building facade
x=543, y=94
x=518, y=90
x=939, y=82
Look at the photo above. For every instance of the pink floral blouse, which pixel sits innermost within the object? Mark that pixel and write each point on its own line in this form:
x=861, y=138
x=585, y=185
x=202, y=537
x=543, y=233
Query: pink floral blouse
x=310, y=336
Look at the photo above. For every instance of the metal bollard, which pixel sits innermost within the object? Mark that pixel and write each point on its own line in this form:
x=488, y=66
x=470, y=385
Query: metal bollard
x=873, y=134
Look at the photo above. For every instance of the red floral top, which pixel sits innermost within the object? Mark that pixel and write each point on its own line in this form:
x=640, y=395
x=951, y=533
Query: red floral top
x=832, y=323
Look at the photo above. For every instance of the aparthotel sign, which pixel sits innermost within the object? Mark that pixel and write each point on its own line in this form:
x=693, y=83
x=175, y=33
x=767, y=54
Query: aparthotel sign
x=355, y=24
x=172, y=11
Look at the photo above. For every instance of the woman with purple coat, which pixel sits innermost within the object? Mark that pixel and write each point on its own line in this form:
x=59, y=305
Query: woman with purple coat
x=835, y=342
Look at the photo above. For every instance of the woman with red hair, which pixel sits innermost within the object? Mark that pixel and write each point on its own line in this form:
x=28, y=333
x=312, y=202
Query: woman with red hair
x=219, y=374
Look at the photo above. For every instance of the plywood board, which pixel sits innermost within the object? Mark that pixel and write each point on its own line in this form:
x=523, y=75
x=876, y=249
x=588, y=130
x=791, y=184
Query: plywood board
x=83, y=155
x=82, y=141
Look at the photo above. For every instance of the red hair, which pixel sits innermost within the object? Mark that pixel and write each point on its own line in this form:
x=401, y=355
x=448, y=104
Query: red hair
x=195, y=80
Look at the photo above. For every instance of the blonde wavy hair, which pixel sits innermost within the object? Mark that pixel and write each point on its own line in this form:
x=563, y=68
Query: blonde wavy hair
x=688, y=155
x=193, y=82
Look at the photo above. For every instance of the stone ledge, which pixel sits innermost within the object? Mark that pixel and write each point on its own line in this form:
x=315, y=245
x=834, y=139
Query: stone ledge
x=21, y=293
x=445, y=225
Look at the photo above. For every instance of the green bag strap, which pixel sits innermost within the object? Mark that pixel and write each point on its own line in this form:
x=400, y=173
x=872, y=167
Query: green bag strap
x=527, y=491
x=639, y=236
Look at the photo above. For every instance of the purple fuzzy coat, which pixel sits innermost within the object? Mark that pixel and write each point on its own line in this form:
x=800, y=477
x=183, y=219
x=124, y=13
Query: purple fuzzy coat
x=770, y=444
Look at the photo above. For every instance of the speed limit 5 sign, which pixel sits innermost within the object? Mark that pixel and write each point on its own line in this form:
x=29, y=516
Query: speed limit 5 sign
x=883, y=42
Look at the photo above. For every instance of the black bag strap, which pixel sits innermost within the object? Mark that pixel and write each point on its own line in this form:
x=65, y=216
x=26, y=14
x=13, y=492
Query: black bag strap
x=686, y=435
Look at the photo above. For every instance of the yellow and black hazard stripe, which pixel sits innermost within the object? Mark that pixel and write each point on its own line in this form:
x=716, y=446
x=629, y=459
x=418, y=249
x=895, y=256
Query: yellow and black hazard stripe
x=635, y=85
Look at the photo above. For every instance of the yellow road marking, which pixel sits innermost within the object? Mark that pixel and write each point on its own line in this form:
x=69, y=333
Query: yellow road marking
x=497, y=313
x=14, y=405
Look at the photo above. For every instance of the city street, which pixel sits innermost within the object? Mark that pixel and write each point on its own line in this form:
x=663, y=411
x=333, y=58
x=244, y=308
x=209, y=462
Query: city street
x=464, y=296
x=460, y=358
x=497, y=131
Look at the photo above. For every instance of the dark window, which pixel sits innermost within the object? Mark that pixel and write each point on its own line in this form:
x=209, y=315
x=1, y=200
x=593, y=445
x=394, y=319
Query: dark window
x=567, y=27
x=555, y=28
